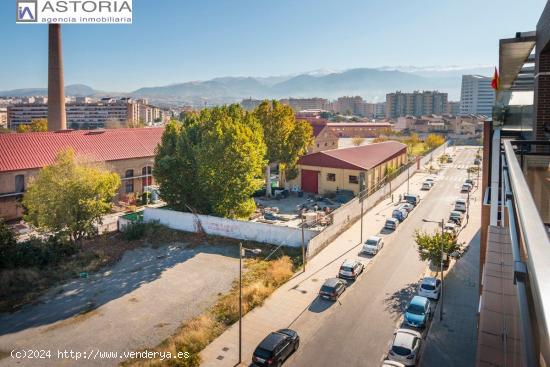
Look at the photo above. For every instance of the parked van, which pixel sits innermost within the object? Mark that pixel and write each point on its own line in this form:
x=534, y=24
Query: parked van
x=412, y=199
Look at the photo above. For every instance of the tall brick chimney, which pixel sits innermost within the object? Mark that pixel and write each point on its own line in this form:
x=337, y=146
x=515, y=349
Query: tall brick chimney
x=57, y=119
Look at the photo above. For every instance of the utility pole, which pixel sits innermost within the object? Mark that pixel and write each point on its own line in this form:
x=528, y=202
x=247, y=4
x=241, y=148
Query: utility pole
x=408, y=177
x=240, y=300
x=361, y=199
x=441, y=297
x=303, y=247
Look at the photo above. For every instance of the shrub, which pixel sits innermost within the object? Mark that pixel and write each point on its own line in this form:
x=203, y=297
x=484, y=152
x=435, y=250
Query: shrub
x=134, y=231
x=35, y=252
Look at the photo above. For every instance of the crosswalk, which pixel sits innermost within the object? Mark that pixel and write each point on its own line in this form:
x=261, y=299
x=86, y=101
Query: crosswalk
x=457, y=166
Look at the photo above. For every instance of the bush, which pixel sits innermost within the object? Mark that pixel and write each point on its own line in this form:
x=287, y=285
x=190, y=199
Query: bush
x=35, y=252
x=145, y=198
x=134, y=231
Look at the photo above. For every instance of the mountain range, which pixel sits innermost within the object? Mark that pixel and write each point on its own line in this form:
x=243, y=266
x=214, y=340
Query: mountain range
x=372, y=84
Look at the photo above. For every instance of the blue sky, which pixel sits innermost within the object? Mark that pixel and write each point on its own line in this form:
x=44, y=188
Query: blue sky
x=174, y=41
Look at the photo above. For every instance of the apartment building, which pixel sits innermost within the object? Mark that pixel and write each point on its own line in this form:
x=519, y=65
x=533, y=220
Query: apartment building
x=85, y=115
x=250, y=104
x=300, y=104
x=453, y=108
x=476, y=95
x=3, y=117
x=514, y=299
x=416, y=103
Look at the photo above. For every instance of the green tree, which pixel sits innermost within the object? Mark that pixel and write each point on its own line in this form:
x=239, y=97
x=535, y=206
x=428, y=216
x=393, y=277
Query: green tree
x=286, y=139
x=390, y=172
x=212, y=162
x=38, y=125
x=69, y=197
x=429, y=245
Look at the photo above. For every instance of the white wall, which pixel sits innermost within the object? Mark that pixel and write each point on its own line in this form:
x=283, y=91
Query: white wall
x=243, y=230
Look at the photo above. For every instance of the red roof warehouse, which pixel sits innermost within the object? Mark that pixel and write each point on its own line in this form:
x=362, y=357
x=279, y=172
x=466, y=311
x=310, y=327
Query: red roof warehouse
x=127, y=152
x=330, y=170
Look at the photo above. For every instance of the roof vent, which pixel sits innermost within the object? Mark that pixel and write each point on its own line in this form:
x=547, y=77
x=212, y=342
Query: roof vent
x=96, y=132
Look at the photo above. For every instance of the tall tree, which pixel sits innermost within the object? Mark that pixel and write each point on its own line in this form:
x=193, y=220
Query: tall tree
x=70, y=197
x=286, y=139
x=212, y=162
x=434, y=140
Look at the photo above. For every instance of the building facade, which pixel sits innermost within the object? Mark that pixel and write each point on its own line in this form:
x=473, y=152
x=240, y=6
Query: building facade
x=127, y=152
x=476, y=95
x=88, y=115
x=416, y=103
x=300, y=104
x=341, y=169
x=358, y=129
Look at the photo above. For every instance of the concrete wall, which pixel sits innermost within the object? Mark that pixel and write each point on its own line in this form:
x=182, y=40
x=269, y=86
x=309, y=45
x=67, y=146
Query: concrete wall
x=243, y=230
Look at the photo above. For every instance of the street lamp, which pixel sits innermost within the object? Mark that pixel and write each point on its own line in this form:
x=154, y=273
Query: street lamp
x=442, y=223
x=242, y=252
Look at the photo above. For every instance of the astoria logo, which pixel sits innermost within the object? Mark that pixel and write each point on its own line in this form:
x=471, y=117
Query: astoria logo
x=74, y=11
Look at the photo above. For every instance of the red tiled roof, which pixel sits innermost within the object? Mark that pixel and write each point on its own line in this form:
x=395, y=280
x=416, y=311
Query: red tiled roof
x=36, y=150
x=358, y=158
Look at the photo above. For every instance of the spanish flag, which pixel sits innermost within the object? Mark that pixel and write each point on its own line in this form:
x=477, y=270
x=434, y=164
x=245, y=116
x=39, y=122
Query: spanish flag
x=495, y=83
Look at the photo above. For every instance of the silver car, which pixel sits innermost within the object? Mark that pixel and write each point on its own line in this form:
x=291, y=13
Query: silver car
x=430, y=288
x=405, y=347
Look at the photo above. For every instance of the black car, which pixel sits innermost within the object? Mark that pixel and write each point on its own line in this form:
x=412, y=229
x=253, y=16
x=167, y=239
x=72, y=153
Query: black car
x=332, y=289
x=275, y=348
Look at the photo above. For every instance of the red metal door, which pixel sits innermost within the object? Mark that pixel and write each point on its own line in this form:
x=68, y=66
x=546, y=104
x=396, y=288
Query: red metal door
x=310, y=181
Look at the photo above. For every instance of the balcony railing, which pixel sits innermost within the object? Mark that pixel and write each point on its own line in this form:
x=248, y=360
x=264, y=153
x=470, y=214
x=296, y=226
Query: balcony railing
x=530, y=250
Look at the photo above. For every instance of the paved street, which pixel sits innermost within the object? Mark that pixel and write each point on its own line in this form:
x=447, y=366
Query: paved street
x=357, y=330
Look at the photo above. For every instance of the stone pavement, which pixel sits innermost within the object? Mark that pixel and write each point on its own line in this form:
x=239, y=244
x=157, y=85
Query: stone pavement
x=453, y=341
x=295, y=297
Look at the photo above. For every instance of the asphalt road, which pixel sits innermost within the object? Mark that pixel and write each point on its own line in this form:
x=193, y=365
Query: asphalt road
x=358, y=329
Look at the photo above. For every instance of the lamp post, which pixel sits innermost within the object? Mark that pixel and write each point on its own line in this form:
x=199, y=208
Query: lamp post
x=242, y=251
x=303, y=247
x=442, y=224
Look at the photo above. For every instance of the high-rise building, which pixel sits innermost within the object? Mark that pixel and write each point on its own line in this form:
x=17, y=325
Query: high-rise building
x=453, y=108
x=476, y=95
x=249, y=104
x=416, y=103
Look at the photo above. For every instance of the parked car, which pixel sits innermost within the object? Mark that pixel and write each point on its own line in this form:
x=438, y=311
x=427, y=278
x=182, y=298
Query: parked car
x=400, y=214
x=469, y=181
x=426, y=185
x=407, y=206
x=391, y=223
x=430, y=179
x=456, y=217
x=405, y=346
x=276, y=348
x=430, y=288
x=466, y=188
x=460, y=205
x=477, y=161
x=412, y=199
x=332, y=289
x=373, y=245
x=418, y=312
x=450, y=227
x=388, y=363
x=351, y=269
x=450, y=159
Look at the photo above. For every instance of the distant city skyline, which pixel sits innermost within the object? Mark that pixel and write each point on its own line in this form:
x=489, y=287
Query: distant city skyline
x=209, y=39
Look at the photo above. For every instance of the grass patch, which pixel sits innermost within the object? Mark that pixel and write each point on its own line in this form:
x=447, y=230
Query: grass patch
x=260, y=279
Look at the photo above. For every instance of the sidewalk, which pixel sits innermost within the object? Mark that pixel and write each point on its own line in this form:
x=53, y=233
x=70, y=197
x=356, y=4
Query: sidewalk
x=453, y=341
x=287, y=303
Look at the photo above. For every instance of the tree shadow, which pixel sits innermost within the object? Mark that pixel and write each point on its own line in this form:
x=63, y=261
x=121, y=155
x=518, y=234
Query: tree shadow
x=81, y=296
x=396, y=303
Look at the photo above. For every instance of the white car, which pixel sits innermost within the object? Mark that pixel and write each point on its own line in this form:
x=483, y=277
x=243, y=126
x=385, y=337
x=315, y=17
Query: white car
x=391, y=223
x=430, y=288
x=372, y=245
x=426, y=185
x=350, y=269
x=405, y=347
x=466, y=187
x=450, y=227
x=406, y=206
x=460, y=205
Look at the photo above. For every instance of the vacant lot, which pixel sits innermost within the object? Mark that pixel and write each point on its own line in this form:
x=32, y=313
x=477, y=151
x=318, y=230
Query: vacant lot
x=137, y=303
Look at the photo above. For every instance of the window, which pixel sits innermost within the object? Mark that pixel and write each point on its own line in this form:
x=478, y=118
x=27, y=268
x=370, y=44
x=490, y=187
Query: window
x=129, y=184
x=331, y=177
x=148, y=179
x=20, y=183
x=353, y=180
